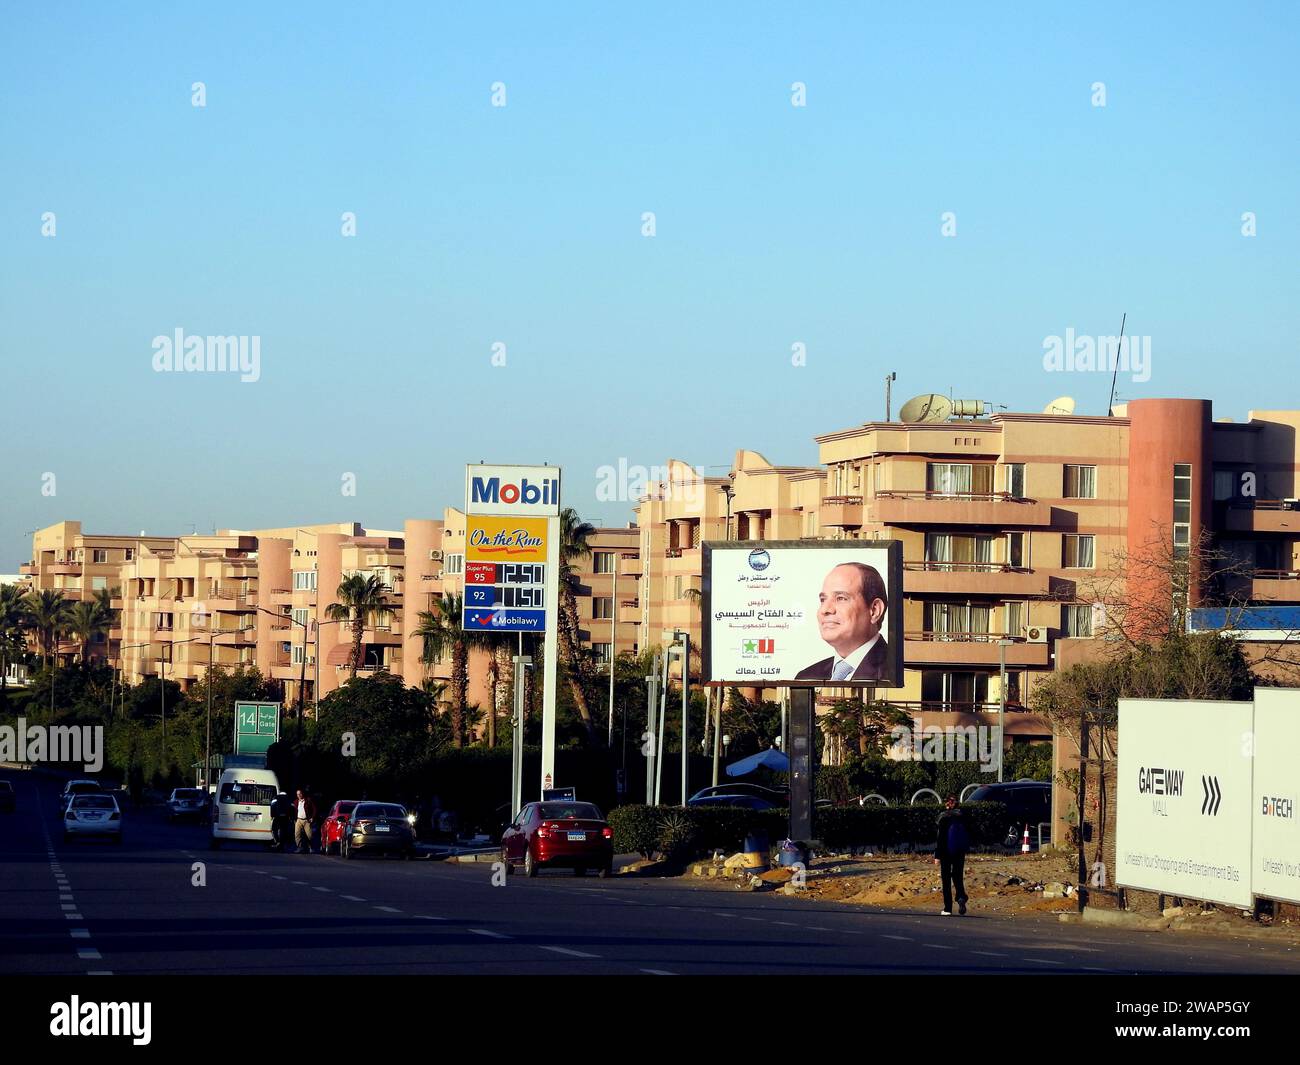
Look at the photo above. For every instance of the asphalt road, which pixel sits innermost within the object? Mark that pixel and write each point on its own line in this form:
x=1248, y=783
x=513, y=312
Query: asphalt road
x=91, y=907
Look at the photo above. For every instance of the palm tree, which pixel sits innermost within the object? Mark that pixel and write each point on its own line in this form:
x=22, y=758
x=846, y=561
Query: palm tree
x=86, y=620
x=574, y=533
x=13, y=620
x=440, y=631
x=360, y=597
x=48, y=612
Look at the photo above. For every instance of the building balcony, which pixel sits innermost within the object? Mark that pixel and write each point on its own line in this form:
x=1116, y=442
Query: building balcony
x=629, y=612
x=66, y=569
x=841, y=512
x=280, y=597
x=1275, y=586
x=1263, y=516
x=996, y=509
x=971, y=649
x=629, y=567
x=29, y=569
x=232, y=599
x=385, y=635
x=997, y=579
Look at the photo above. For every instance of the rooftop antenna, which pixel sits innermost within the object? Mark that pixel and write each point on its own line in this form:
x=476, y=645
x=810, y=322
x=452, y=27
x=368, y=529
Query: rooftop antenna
x=890, y=378
x=1110, y=406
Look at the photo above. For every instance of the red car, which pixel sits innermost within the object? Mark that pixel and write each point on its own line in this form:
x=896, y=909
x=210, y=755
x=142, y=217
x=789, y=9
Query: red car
x=573, y=835
x=333, y=827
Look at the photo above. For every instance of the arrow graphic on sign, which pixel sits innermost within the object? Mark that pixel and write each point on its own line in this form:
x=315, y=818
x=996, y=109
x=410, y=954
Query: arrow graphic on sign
x=1213, y=795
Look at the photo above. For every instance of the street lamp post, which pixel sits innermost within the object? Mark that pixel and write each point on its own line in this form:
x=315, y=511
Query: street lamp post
x=1003, y=644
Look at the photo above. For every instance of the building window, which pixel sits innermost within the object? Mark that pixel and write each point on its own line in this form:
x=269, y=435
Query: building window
x=958, y=478
x=1015, y=619
x=299, y=616
x=602, y=607
x=600, y=651
x=1078, y=619
x=602, y=562
x=1225, y=485
x=1182, y=509
x=304, y=580
x=961, y=689
x=455, y=564
x=1078, y=551
x=1080, y=482
x=129, y=554
x=163, y=621
x=677, y=587
x=962, y=552
x=98, y=583
x=298, y=654
x=1016, y=480
x=1016, y=553
x=98, y=555
x=957, y=618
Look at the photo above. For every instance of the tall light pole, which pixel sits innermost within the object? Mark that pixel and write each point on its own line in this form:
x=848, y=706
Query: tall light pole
x=1003, y=644
x=613, y=644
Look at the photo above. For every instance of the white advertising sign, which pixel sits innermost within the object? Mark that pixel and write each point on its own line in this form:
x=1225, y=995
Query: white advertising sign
x=518, y=491
x=1183, y=813
x=798, y=612
x=1275, y=835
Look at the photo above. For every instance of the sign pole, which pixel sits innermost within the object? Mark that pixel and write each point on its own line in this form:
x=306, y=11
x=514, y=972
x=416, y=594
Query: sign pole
x=801, y=763
x=550, y=651
x=651, y=702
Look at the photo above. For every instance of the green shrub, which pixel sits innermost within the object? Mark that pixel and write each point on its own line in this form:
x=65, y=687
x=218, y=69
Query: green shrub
x=636, y=830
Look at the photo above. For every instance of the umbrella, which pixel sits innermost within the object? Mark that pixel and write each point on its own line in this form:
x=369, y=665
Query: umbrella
x=771, y=759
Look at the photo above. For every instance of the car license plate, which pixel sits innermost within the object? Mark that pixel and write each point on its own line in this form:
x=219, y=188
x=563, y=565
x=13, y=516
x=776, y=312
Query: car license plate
x=247, y=817
x=381, y=828
x=577, y=837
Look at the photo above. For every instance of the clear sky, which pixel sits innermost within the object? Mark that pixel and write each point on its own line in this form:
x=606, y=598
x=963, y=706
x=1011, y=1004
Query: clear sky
x=522, y=225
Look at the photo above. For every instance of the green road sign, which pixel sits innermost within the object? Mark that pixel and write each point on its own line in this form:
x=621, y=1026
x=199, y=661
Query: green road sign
x=257, y=726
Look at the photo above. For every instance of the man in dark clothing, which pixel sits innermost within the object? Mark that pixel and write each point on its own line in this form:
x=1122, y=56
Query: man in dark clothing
x=281, y=822
x=950, y=852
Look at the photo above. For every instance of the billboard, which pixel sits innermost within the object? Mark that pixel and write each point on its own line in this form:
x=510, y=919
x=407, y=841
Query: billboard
x=1275, y=832
x=803, y=613
x=257, y=726
x=1184, y=799
x=505, y=573
x=513, y=491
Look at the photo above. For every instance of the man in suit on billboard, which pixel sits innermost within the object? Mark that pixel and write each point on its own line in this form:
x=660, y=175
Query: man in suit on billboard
x=851, y=610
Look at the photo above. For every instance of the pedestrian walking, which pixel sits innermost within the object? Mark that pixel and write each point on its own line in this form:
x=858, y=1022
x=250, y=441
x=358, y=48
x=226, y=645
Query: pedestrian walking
x=306, y=818
x=281, y=822
x=950, y=853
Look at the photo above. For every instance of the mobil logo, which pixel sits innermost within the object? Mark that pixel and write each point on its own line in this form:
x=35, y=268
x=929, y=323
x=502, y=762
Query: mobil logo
x=512, y=490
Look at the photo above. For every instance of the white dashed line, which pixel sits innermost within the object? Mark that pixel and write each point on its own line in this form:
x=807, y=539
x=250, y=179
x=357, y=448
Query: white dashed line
x=90, y=955
x=787, y=924
x=299, y=883
x=988, y=953
x=726, y=915
x=817, y=928
x=657, y=972
x=487, y=932
x=322, y=889
x=276, y=876
x=901, y=939
x=352, y=898
x=1042, y=961
x=67, y=905
x=79, y=933
x=100, y=972
x=65, y=897
x=937, y=946
x=426, y=917
x=388, y=909
x=570, y=953
x=74, y=917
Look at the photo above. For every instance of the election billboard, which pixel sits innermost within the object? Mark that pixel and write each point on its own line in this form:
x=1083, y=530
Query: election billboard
x=1184, y=798
x=807, y=613
x=1275, y=835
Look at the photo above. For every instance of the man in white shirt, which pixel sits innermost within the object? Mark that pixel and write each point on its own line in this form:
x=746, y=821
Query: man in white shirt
x=302, y=827
x=851, y=609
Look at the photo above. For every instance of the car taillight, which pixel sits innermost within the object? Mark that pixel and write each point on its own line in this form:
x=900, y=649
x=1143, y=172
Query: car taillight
x=544, y=830
x=607, y=832
x=361, y=826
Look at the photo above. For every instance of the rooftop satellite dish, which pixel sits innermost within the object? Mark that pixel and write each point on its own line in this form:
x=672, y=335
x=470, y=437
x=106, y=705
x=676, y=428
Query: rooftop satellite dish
x=930, y=407
x=1060, y=405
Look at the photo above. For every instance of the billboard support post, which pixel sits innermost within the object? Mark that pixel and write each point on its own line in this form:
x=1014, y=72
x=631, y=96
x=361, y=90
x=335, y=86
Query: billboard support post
x=801, y=763
x=652, y=692
x=686, y=681
x=659, y=743
x=550, y=651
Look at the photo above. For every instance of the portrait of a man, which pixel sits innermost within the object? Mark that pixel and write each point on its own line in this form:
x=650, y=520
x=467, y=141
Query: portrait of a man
x=850, y=615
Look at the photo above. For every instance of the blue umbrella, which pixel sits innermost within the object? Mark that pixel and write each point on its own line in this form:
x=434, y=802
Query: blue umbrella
x=771, y=759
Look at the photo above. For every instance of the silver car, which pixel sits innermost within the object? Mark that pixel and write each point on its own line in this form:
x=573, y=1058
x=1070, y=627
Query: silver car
x=187, y=802
x=92, y=815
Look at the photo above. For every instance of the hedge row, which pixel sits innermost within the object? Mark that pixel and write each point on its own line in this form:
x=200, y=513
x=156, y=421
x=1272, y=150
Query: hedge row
x=674, y=832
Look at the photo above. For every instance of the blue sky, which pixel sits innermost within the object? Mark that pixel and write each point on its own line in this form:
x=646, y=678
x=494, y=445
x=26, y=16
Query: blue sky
x=521, y=224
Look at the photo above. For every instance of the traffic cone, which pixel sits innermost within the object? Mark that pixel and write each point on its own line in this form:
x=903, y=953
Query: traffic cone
x=1024, y=843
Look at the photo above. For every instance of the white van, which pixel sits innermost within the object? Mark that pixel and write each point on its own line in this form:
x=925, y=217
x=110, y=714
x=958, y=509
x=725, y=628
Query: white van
x=242, y=809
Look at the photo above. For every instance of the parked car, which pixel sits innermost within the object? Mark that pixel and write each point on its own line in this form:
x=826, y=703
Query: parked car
x=748, y=802
x=92, y=815
x=243, y=807
x=379, y=828
x=776, y=796
x=187, y=802
x=8, y=799
x=335, y=825
x=573, y=835
x=1028, y=802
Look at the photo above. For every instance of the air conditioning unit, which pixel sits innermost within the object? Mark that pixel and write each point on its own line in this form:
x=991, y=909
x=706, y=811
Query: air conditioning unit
x=1036, y=634
x=435, y=556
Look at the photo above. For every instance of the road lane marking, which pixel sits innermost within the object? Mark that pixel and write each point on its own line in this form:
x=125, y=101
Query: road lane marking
x=67, y=905
x=937, y=946
x=388, y=909
x=299, y=883
x=817, y=928
x=901, y=939
x=988, y=953
x=427, y=917
x=1043, y=961
x=90, y=955
x=79, y=933
x=352, y=898
x=66, y=897
x=322, y=889
x=657, y=972
x=727, y=915
x=570, y=953
x=100, y=972
x=276, y=876
x=488, y=932
x=74, y=917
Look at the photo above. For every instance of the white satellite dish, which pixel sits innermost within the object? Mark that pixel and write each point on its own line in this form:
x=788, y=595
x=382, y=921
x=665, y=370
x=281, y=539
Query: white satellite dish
x=1060, y=405
x=929, y=407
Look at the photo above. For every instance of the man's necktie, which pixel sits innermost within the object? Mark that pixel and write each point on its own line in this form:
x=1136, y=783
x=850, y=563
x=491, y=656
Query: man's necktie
x=842, y=671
